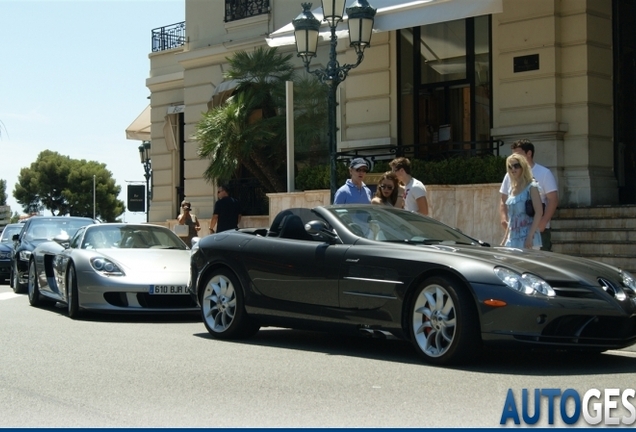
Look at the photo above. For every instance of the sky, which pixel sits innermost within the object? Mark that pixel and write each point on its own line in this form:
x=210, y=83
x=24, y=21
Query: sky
x=72, y=79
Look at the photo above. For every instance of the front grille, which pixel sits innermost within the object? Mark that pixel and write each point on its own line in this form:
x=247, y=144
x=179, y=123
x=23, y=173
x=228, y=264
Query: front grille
x=577, y=329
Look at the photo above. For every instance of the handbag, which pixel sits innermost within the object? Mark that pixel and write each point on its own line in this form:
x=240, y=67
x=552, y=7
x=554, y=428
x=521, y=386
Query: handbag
x=530, y=208
x=181, y=230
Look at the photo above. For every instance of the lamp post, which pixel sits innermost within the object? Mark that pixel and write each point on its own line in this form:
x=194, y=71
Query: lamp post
x=306, y=28
x=144, y=155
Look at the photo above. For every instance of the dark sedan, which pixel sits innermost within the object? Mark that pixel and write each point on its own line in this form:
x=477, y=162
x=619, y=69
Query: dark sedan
x=38, y=229
x=389, y=272
x=6, y=249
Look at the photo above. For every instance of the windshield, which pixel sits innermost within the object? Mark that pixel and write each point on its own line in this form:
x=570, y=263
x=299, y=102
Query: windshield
x=8, y=232
x=128, y=236
x=387, y=224
x=47, y=229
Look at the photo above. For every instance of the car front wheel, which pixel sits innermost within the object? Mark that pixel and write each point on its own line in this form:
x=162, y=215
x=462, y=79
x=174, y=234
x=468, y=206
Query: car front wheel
x=33, y=287
x=72, y=294
x=444, y=322
x=16, y=285
x=223, y=308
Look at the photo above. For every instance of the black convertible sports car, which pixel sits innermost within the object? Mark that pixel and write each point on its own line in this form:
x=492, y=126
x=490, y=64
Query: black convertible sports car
x=385, y=271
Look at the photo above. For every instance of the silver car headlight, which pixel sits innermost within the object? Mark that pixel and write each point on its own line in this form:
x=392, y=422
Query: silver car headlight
x=25, y=255
x=526, y=283
x=105, y=266
x=628, y=280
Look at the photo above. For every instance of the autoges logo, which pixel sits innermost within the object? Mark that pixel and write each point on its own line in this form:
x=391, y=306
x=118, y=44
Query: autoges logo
x=606, y=407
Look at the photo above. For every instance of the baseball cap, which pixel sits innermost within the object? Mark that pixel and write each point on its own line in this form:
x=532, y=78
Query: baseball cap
x=358, y=162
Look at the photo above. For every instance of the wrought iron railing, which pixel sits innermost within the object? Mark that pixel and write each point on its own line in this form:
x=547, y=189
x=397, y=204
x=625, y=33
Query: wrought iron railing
x=168, y=37
x=251, y=196
x=239, y=9
x=428, y=151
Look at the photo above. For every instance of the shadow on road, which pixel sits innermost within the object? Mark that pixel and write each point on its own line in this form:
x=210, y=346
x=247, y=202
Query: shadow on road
x=126, y=317
x=513, y=362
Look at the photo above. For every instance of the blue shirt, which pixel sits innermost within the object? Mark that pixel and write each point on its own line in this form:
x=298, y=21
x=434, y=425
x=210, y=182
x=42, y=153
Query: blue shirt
x=349, y=193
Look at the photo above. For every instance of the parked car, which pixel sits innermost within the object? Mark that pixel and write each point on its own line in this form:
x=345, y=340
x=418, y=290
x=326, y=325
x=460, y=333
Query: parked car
x=113, y=267
x=6, y=249
x=38, y=229
x=389, y=272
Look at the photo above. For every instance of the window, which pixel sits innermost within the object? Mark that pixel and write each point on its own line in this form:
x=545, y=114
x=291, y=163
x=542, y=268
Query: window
x=445, y=93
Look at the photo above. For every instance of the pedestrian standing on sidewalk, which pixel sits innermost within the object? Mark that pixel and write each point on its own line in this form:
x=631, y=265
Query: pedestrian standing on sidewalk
x=354, y=191
x=414, y=190
x=227, y=211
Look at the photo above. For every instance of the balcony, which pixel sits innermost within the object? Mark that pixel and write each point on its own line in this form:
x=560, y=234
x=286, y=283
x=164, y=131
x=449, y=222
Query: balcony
x=168, y=37
x=239, y=9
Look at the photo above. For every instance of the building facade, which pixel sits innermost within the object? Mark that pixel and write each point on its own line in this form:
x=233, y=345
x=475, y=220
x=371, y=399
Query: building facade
x=558, y=72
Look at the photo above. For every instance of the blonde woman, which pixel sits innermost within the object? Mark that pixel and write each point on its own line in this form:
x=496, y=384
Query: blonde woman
x=523, y=230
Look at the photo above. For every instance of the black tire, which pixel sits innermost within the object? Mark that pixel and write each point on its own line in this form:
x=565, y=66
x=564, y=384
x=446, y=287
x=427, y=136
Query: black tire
x=72, y=294
x=223, y=307
x=18, y=288
x=444, y=323
x=33, y=288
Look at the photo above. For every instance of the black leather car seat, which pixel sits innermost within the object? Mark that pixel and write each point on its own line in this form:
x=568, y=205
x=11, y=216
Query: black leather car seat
x=293, y=228
x=277, y=223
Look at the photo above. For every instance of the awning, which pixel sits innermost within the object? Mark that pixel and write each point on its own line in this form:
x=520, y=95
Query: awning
x=140, y=128
x=223, y=91
x=400, y=14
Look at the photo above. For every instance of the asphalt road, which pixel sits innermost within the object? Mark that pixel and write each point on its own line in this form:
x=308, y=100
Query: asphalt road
x=140, y=371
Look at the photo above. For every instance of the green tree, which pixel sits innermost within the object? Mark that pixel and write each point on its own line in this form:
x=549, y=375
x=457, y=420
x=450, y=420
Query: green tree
x=249, y=128
x=65, y=187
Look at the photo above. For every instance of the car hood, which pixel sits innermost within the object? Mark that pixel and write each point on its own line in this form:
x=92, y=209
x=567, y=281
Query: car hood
x=5, y=247
x=148, y=260
x=548, y=265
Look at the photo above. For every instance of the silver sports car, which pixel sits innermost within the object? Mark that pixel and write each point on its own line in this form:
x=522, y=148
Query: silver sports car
x=113, y=267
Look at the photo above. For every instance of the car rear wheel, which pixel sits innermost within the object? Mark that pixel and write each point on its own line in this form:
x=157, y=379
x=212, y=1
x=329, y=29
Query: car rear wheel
x=223, y=307
x=444, y=322
x=33, y=287
x=16, y=285
x=72, y=294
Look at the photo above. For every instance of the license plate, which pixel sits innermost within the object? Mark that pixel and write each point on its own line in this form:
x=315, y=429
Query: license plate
x=167, y=290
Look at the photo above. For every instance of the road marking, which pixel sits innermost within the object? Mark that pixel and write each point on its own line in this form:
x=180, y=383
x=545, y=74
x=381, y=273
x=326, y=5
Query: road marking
x=8, y=295
x=622, y=353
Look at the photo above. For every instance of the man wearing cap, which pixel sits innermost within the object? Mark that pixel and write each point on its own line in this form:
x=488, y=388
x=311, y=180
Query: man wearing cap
x=354, y=191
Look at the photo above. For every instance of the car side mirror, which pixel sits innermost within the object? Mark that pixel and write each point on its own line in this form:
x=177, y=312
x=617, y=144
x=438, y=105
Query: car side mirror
x=320, y=229
x=63, y=240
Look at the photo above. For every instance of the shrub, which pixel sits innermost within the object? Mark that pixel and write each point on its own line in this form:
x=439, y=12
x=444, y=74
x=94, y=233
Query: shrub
x=453, y=171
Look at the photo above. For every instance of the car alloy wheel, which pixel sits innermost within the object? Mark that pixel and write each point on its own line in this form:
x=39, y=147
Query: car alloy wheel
x=444, y=323
x=33, y=287
x=17, y=286
x=222, y=307
x=72, y=294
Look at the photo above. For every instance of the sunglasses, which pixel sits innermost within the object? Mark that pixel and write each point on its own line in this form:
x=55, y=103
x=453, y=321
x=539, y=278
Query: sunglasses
x=385, y=186
x=515, y=166
x=362, y=170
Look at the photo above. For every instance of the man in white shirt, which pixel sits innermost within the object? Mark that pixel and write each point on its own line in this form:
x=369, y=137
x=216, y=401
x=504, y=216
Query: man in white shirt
x=414, y=190
x=548, y=190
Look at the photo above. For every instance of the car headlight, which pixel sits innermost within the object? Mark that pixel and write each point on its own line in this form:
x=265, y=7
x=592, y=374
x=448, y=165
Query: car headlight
x=25, y=255
x=106, y=267
x=526, y=283
x=628, y=280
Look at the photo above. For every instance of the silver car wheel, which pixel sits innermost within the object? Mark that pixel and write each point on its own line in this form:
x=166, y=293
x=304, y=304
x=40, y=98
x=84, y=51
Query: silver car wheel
x=434, y=320
x=33, y=288
x=219, y=303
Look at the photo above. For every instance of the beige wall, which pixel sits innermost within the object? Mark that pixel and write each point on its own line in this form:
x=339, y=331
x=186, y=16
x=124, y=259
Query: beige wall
x=565, y=107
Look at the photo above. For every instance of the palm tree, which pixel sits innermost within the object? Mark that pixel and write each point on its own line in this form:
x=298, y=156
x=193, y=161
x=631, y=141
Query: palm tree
x=248, y=130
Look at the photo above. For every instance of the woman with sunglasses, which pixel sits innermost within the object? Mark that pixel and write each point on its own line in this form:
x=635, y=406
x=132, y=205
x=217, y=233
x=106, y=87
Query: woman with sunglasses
x=523, y=230
x=387, y=192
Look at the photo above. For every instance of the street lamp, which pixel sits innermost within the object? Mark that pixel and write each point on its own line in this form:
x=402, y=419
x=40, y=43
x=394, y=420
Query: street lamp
x=144, y=155
x=306, y=28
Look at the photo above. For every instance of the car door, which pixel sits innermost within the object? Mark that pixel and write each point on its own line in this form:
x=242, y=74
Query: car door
x=297, y=271
x=61, y=260
x=370, y=277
